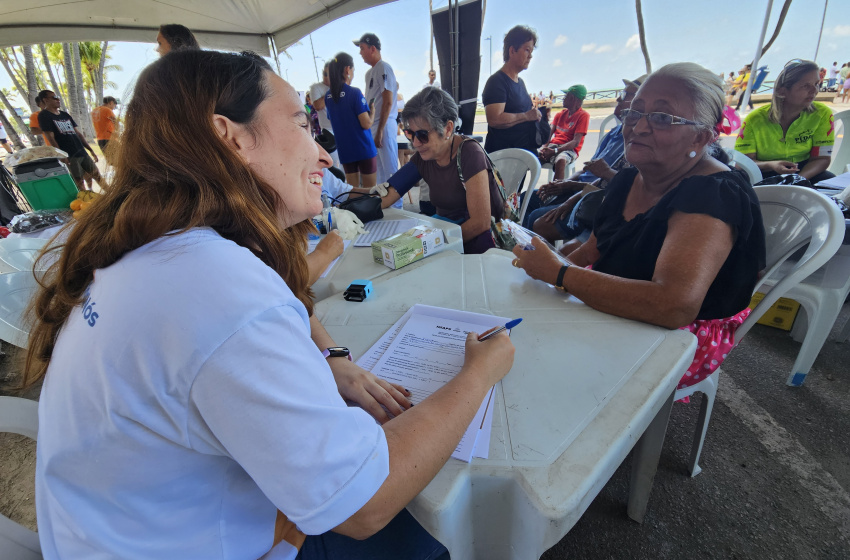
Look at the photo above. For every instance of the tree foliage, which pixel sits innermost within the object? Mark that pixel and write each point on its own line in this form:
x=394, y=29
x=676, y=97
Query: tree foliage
x=80, y=82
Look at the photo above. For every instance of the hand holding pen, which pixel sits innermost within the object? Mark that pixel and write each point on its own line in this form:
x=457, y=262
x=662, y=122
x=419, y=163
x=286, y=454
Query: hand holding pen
x=496, y=330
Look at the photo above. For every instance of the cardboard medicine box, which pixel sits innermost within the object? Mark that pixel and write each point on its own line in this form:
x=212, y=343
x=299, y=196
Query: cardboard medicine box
x=781, y=315
x=408, y=247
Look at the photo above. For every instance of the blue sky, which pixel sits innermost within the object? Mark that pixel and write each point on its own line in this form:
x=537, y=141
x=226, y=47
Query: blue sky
x=594, y=43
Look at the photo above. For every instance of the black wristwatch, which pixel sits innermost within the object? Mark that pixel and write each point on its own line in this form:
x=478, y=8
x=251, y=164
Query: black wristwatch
x=337, y=352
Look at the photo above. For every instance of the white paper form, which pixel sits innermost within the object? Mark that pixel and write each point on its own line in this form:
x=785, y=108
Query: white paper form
x=425, y=355
x=311, y=246
x=381, y=229
x=483, y=322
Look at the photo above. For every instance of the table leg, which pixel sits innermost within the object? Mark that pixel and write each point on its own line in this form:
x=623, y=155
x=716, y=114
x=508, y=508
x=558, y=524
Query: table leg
x=645, y=458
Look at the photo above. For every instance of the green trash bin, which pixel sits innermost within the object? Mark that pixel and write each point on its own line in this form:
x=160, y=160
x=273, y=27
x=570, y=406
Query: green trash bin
x=46, y=184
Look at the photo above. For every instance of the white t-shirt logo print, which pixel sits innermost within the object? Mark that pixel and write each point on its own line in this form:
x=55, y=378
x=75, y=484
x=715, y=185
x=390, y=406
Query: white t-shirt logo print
x=65, y=127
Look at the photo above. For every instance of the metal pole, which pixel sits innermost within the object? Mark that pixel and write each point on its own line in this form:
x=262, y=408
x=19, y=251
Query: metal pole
x=490, y=39
x=318, y=79
x=274, y=53
x=456, y=79
x=452, y=39
x=823, y=19
x=754, y=69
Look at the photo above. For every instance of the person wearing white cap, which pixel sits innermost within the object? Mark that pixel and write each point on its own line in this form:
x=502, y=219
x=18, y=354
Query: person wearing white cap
x=381, y=94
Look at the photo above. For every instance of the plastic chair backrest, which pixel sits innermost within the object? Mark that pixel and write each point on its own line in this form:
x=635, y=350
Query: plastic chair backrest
x=794, y=216
x=16, y=291
x=760, y=76
x=18, y=416
x=749, y=166
x=19, y=253
x=841, y=158
x=513, y=165
x=609, y=121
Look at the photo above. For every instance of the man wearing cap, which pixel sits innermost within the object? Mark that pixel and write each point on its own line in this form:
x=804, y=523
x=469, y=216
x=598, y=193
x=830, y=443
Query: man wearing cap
x=511, y=116
x=381, y=94
x=563, y=198
x=568, y=131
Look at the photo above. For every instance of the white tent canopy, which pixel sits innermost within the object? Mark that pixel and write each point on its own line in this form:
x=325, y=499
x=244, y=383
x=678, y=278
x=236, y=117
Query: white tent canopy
x=221, y=24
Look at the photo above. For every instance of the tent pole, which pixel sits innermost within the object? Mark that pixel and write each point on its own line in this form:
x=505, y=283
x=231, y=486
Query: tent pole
x=754, y=69
x=820, y=34
x=273, y=46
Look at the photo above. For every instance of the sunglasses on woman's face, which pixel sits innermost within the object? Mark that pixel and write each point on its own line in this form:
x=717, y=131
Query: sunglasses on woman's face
x=421, y=135
x=657, y=121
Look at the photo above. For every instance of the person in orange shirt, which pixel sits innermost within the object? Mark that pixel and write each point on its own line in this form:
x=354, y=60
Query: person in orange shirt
x=34, y=119
x=104, y=121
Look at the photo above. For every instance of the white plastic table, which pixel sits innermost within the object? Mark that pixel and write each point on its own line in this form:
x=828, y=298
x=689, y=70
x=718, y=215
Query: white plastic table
x=585, y=389
x=356, y=262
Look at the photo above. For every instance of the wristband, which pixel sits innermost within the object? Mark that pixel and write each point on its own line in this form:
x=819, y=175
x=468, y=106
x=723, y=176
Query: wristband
x=559, y=283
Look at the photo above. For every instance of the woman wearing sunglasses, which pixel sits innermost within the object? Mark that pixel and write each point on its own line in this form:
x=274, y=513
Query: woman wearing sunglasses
x=351, y=118
x=460, y=176
x=678, y=241
x=793, y=133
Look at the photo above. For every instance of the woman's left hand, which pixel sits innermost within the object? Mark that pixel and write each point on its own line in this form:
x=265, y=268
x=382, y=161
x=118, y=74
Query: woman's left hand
x=368, y=391
x=540, y=263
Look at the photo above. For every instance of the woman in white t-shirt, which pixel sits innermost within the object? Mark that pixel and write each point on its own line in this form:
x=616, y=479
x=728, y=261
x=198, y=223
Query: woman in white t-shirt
x=192, y=406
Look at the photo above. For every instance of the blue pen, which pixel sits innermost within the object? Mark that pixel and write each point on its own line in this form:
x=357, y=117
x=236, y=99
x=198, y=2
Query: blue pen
x=507, y=326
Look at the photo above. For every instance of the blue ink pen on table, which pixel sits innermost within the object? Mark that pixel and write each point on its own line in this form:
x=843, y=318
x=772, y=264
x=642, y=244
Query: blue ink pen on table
x=496, y=330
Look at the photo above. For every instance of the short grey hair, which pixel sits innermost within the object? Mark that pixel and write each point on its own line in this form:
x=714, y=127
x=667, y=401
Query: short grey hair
x=703, y=87
x=432, y=105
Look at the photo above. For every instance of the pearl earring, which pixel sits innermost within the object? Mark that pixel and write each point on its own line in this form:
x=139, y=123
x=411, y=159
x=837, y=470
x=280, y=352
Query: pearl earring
x=692, y=154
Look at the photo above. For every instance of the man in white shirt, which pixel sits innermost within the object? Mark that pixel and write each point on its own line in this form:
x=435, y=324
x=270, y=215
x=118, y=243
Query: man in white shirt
x=432, y=79
x=317, y=94
x=381, y=94
x=833, y=75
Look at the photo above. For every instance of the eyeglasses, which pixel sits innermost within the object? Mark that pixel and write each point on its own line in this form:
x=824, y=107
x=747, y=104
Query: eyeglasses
x=792, y=63
x=657, y=121
x=421, y=135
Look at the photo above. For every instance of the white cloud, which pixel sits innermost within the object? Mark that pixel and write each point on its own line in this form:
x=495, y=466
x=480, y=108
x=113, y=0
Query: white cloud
x=560, y=40
x=840, y=31
x=589, y=47
x=603, y=49
x=557, y=62
x=633, y=43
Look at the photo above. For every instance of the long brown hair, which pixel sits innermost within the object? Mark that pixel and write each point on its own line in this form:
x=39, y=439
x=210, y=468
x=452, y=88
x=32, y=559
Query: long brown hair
x=172, y=173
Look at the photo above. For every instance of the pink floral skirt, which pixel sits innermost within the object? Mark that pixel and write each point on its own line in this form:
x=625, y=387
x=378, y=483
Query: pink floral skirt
x=715, y=339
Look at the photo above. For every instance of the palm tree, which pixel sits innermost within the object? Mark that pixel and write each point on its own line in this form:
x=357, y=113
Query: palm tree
x=642, y=36
x=49, y=68
x=13, y=134
x=32, y=80
x=18, y=120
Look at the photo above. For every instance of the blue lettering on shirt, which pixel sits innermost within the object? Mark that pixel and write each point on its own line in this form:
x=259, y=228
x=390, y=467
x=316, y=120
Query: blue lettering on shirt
x=89, y=314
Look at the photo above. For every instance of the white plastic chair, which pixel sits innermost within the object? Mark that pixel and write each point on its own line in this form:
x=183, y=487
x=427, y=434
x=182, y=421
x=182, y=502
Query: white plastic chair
x=513, y=165
x=841, y=159
x=19, y=253
x=609, y=121
x=746, y=164
x=18, y=416
x=793, y=216
x=821, y=296
x=16, y=291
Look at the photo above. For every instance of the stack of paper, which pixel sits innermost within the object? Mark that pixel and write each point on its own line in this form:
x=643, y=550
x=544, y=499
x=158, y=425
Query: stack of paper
x=423, y=351
x=381, y=229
